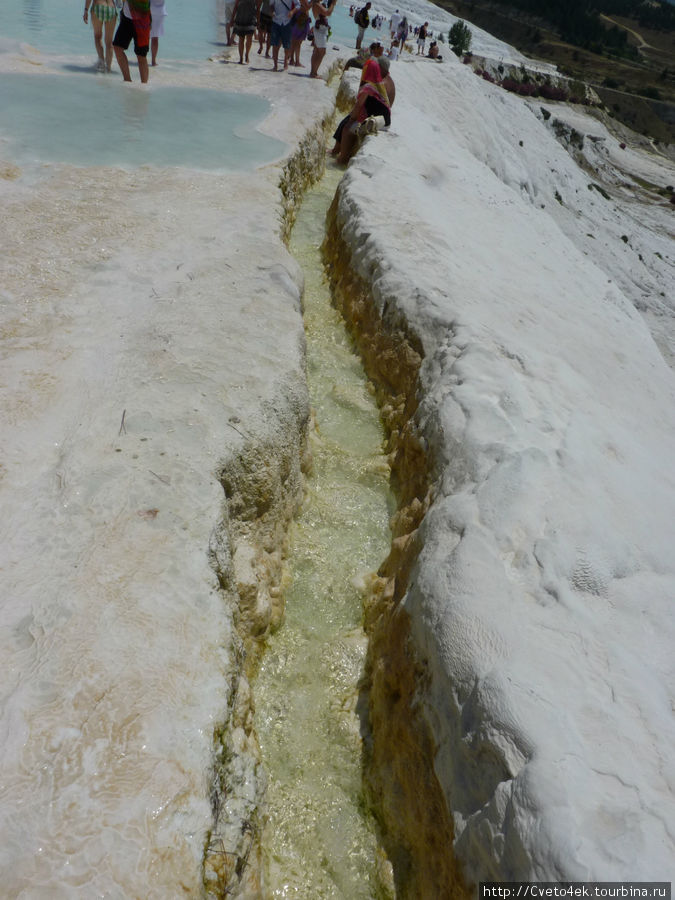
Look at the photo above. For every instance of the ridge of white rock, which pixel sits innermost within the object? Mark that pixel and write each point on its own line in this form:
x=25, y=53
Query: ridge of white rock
x=541, y=601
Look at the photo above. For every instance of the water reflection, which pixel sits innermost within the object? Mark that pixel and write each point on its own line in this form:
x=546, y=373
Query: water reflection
x=135, y=108
x=33, y=14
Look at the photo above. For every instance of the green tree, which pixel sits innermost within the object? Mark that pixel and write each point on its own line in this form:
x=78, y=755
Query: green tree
x=459, y=37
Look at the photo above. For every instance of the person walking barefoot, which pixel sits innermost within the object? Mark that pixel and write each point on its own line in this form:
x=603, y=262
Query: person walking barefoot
x=134, y=26
x=321, y=31
x=158, y=11
x=282, y=12
x=301, y=24
x=264, y=27
x=245, y=18
x=103, y=18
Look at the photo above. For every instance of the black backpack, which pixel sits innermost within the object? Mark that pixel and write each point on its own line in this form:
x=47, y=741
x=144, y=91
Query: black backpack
x=361, y=17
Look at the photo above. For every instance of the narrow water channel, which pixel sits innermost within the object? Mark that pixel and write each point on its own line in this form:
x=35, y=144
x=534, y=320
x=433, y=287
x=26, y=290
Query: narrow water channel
x=320, y=839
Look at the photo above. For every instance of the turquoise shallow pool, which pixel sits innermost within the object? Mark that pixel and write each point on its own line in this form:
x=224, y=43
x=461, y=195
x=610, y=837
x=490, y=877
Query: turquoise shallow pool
x=102, y=121
x=193, y=29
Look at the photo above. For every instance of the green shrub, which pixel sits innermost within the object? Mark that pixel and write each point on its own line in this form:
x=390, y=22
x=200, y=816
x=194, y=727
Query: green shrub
x=651, y=93
x=459, y=37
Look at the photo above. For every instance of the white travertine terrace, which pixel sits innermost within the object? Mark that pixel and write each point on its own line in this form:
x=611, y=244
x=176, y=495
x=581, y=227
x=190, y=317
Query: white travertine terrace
x=539, y=598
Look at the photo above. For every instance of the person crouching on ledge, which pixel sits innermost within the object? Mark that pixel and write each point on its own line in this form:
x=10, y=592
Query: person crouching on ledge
x=371, y=100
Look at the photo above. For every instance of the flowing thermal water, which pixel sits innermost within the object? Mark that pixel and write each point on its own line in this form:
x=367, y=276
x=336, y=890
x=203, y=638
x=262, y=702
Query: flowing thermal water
x=320, y=839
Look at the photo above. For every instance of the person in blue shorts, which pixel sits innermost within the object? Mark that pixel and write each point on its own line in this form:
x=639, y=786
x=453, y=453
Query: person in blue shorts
x=282, y=27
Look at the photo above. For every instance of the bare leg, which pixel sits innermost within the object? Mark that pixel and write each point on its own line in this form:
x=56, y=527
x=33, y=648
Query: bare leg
x=154, y=47
x=143, y=68
x=97, y=25
x=109, y=35
x=295, y=52
x=249, y=41
x=123, y=63
x=317, y=55
x=242, y=39
x=347, y=143
x=275, y=56
x=286, y=57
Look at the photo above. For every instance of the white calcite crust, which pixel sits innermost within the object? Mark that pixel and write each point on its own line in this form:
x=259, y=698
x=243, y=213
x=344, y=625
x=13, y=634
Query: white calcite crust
x=542, y=600
x=151, y=333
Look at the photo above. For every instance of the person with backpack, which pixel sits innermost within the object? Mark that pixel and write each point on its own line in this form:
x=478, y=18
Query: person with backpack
x=282, y=13
x=362, y=20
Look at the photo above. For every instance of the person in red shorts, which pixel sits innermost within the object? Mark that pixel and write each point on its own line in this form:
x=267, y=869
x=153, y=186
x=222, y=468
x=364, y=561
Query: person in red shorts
x=135, y=21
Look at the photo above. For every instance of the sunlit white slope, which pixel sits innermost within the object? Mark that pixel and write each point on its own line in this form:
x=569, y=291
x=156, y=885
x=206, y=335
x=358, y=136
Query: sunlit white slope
x=542, y=599
x=440, y=22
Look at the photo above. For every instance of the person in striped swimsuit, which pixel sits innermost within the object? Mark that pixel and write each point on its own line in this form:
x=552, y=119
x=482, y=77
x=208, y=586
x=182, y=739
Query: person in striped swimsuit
x=103, y=18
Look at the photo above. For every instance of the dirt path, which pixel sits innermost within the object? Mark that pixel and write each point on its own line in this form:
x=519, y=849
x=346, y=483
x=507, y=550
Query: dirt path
x=642, y=42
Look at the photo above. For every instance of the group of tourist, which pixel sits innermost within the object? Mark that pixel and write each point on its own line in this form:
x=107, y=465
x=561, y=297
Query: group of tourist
x=276, y=23
x=399, y=29
x=280, y=23
x=140, y=21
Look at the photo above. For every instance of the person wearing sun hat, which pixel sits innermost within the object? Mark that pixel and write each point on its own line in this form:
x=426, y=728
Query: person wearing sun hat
x=135, y=22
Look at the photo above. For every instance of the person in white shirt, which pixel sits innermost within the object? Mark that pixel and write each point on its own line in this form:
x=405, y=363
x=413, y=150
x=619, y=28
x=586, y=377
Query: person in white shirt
x=394, y=22
x=282, y=27
x=158, y=10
